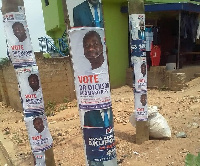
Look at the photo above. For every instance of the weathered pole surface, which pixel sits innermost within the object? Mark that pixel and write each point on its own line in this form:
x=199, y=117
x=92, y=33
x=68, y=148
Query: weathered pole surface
x=23, y=59
x=136, y=7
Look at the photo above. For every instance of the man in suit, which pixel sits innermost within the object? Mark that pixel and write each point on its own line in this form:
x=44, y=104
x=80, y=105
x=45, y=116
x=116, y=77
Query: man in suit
x=89, y=14
x=97, y=118
x=141, y=31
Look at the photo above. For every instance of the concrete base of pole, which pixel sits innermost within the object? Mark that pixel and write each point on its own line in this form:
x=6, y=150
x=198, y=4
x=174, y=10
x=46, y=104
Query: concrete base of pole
x=49, y=157
x=142, y=132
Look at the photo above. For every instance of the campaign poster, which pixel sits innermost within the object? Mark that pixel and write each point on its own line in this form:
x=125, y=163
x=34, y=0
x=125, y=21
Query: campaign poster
x=99, y=139
x=18, y=39
x=140, y=70
x=137, y=26
x=85, y=13
x=137, y=34
x=39, y=158
x=30, y=89
x=89, y=58
x=141, y=113
x=38, y=133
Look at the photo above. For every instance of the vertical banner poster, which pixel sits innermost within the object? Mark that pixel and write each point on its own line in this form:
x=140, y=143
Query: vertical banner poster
x=39, y=134
x=89, y=58
x=85, y=13
x=141, y=106
x=140, y=69
x=30, y=90
x=18, y=39
x=139, y=63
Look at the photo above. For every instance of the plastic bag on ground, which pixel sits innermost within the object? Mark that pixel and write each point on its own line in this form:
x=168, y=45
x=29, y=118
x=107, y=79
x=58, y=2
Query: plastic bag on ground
x=158, y=126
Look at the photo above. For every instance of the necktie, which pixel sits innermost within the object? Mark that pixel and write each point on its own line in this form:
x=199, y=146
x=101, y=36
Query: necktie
x=106, y=120
x=96, y=16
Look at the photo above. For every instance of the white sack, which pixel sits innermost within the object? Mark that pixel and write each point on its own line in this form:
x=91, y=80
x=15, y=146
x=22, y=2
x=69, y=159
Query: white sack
x=158, y=126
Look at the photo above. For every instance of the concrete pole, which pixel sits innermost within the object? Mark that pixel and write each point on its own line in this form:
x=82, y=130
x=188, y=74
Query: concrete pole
x=98, y=135
x=9, y=6
x=142, y=128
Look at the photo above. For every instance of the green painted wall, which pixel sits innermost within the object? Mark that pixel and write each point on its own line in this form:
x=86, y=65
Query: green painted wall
x=116, y=29
x=53, y=18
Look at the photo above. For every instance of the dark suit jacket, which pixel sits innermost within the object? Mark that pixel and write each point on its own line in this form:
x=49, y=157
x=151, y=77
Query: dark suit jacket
x=140, y=36
x=93, y=118
x=82, y=16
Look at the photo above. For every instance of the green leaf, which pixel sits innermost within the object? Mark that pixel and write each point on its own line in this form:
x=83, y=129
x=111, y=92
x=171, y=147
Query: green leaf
x=198, y=160
x=190, y=160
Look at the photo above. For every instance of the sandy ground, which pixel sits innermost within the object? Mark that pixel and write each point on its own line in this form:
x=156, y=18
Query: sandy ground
x=180, y=109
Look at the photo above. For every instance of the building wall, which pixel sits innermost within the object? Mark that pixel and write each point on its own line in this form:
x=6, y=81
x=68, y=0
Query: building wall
x=57, y=81
x=54, y=18
x=116, y=29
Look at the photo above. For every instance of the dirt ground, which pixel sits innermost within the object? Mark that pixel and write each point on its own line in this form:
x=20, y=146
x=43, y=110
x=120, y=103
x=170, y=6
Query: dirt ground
x=180, y=109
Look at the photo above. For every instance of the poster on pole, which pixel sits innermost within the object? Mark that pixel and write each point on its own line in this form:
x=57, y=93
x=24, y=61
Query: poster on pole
x=141, y=108
x=88, y=50
x=89, y=58
x=30, y=90
x=39, y=158
x=99, y=135
x=18, y=39
x=140, y=70
x=139, y=63
x=39, y=134
x=85, y=13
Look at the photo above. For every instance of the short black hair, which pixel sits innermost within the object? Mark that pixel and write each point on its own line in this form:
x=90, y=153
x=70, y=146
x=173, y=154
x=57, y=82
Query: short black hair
x=17, y=23
x=37, y=118
x=143, y=64
x=90, y=34
x=33, y=75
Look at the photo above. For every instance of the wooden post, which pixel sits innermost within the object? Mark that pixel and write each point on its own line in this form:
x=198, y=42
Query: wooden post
x=12, y=6
x=142, y=128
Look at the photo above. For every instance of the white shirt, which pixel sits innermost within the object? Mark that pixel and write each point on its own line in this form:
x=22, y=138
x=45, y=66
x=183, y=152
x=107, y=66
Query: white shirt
x=92, y=10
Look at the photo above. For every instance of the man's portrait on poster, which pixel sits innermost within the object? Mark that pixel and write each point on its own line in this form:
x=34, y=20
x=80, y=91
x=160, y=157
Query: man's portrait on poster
x=93, y=49
x=34, y=82
x=143, y=69
x=141, y=31
x=38, y=124
x=19, y=31
x=143, y=99
x=89, y=14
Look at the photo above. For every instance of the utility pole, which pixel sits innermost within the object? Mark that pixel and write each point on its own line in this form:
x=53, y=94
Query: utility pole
x=23, y=60
x=91, y=82
x=138, y=61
